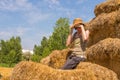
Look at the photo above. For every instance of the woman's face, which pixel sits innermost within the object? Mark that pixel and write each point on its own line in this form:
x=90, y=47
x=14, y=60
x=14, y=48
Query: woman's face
x=78, y=28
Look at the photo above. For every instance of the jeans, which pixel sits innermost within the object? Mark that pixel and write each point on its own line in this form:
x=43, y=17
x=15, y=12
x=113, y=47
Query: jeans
x=72, y=62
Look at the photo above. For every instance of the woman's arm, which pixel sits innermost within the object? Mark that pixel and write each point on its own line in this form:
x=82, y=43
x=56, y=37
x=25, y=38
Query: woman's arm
x=85, y=34
x=69, y=39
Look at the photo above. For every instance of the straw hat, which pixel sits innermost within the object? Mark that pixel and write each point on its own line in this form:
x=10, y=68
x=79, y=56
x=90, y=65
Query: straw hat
x=77, y=21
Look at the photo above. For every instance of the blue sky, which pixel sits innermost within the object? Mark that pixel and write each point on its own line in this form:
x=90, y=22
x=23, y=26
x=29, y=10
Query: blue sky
x=33, y=19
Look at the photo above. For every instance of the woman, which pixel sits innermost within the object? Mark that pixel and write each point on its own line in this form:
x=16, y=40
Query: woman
x=76, y=42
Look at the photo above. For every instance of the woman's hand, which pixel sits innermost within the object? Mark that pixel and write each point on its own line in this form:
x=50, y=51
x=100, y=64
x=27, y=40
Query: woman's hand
x=69, y=39
x=71, y=29
x=81, y=26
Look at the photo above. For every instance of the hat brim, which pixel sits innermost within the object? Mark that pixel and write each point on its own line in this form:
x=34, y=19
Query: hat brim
x=78, y=23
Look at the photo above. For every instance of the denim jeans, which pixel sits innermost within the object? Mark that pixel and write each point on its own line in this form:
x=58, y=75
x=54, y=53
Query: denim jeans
x=72, y=62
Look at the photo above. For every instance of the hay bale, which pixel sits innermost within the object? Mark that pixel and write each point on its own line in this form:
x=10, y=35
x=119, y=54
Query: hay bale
x=107, y=7
x=106, y=49
x=0, y=75
x=5, y=78
x=99, y=71
x=5, y=73
x=106, y=53
x=57, y=58
x=104, y=26
x=45, y=60
x=37, y=71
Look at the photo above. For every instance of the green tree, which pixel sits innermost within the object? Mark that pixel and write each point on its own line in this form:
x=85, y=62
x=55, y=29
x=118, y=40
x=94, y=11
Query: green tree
x=56, y=41
x=15, y=44
x=38, y=50
x=11, y=50
x=58, y=38
x=0, y=53
x=36, y=58
x=10, y=58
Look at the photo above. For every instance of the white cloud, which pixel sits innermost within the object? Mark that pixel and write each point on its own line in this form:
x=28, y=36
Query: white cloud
x=57, y=6
x=81, y=1
x=21, y=30
x=24, y=51
x=34, y=17
x=30, y=12
x=4, y=33
x=14, y=5
x=18, y=31
x=52, y=3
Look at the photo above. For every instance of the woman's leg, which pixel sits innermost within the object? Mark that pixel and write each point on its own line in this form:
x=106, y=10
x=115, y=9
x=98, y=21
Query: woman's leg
x=72, y=62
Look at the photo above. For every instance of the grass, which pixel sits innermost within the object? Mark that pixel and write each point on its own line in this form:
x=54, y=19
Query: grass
x=7, y=65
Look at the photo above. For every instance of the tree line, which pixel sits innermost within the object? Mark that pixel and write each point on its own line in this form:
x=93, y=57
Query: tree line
x=11, y=50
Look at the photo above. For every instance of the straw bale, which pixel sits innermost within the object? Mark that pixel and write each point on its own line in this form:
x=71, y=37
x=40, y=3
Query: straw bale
x=57, y=58
x=5, y=78
x=106, y=53
x=104, y=26
x=106, y=49
x=5, y=73
x=45, y=60
x=107, y=7
x=37, y=71
x=99, y=71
